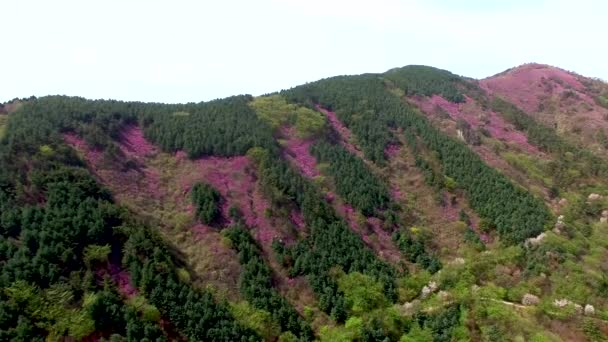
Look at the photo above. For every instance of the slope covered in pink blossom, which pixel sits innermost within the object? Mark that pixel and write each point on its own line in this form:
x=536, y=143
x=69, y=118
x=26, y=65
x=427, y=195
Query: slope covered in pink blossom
x=139, y=181
x=341, y=129
x=235, y=179
x=369, y=229
x=409, y=189
x=134, y=144
x=152, y=188
x=297, y=151
x=90, y=154
x=524, y=85
x=476, y=117
x=160, y=183
x=122, y=279
x=555, y=97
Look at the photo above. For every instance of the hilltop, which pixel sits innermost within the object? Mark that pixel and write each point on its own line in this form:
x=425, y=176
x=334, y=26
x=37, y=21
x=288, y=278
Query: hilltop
x=410, y=205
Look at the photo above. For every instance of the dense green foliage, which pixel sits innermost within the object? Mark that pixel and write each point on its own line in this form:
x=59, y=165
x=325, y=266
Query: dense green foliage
x=427, y=81
x=47, y=273
x=355, y=183
x=414, y=250
x=56, y=224
x=222, y=127
x=194, y=313
x=41, y=120
x=441, y=325
x=363, y=293
x=206, y=202
x=256, y=285
x=330, y=244
x=110, y=314
x=350, y=98
x=364, y=104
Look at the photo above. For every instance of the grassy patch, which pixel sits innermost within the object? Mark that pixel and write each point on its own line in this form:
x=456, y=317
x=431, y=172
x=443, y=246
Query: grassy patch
x=277, y=112
x=259, y=320
x=531, y=166
x=602, y=100
x=3, y=122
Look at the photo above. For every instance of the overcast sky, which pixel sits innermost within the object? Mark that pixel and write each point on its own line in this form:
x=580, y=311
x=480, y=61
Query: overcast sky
x=190, y=51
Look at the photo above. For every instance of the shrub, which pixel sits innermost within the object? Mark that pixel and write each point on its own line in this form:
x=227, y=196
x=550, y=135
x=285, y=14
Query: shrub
x=206, y=201
x=362, y=293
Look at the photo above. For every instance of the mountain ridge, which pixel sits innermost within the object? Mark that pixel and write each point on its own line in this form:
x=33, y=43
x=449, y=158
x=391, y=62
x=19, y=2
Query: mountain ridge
x=413, y=204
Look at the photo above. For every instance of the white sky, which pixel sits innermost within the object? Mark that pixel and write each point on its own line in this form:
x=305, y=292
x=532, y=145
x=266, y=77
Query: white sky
x=190, y=51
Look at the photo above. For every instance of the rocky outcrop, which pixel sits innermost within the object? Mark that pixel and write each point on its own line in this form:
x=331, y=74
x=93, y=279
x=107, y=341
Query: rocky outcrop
x=536, y=240
x=588, y=310
x=530, y=299
x=559, y=225
x=604, y=217
x=428, y=289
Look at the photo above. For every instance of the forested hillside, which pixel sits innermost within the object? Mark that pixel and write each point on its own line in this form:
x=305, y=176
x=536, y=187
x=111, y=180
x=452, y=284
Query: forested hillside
x=411, y=205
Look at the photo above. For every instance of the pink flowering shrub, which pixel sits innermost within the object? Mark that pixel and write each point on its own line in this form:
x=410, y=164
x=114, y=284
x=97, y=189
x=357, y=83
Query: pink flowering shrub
x=342, y=130
x=235, y=180
x=134, y=143
x=77, y=142
x=297, y=218
x=371, y=232
x=547, y=90
x=392, y=150
x=469, y=111
x=297, y=151
x=523, y=85
x=143, y=180
x=450, y=211
x=121, y=278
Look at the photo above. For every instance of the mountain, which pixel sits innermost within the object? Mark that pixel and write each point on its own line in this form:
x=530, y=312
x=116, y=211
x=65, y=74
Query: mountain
x=411, y=205
x=575, y=106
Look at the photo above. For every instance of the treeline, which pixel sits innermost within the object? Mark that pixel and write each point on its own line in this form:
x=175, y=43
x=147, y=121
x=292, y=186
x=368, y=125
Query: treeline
x=40, y=121
x=516, y=214
x=223, y=127
x=330, y=243
x=428, y=167
x=256, y=285
x=195, y=314
x=354, y=181
x=206, y=202
x=427, y=81
x=349, y=97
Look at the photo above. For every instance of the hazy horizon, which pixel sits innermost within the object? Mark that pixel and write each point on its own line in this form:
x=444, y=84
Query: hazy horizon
x=185, y=51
